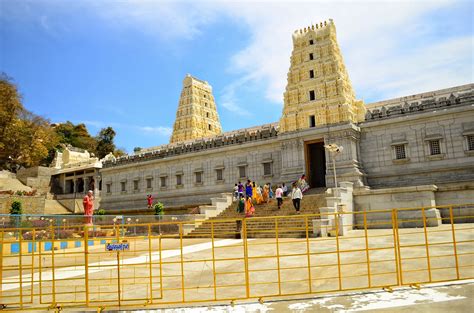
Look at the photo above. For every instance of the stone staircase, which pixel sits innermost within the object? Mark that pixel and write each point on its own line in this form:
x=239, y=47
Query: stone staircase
x=262, y=225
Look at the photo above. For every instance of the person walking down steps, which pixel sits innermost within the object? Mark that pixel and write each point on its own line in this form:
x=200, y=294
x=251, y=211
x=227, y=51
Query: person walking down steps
x=279, y=196
x=296, y=196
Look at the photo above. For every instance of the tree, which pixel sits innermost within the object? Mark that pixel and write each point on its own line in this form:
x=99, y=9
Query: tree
x=120, y=152
x=159, y=208
x=16, y=208
x=137, y=149
x=25, y=138
x=105, y=142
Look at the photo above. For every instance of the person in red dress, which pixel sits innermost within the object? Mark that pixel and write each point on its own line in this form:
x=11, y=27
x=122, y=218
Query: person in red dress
x=88, y=203
x=149, y=200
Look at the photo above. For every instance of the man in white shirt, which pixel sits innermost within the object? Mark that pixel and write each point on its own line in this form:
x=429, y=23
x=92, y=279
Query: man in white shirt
x=296, y=196
x=279, y=196
x=285, y=190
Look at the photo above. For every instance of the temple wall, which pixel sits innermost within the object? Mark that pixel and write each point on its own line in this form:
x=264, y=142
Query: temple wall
x=455, y=163
x=252, y=156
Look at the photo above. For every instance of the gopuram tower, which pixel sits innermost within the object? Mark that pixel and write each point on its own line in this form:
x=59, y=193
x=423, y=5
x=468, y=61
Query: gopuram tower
x=318, y=91
x=196, y=116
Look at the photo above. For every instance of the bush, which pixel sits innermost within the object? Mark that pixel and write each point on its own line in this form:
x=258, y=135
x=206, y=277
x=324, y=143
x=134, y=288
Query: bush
x=159, y=208
x=99, y=212
x=16, y=207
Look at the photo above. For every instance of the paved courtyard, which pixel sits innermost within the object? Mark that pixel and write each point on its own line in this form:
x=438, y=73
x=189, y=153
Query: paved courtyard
x=199, y=267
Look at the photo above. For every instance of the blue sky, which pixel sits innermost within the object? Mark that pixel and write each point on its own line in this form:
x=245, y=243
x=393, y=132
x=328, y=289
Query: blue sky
x=121, y=63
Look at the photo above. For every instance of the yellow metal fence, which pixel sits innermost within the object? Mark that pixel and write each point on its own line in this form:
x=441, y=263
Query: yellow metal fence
x=234, y=259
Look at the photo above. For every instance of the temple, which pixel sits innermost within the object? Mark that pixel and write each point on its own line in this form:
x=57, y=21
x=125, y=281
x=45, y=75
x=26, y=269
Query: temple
x=410, y=151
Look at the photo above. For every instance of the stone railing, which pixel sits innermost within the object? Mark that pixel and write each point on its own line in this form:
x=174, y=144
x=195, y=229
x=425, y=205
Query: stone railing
x=432, y=104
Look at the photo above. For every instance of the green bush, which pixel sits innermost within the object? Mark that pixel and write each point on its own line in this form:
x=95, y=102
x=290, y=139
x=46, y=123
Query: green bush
x=99, y=212
x=16, y=207
x=159, y=208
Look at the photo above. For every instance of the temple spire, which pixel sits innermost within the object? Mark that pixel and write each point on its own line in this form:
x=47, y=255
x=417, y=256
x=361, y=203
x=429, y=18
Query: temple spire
x=318, y=91
x=196, y=116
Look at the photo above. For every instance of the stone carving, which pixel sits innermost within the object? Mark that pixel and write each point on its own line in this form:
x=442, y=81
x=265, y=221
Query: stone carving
x=326, y=92
x=196, y=116
x=413, y=107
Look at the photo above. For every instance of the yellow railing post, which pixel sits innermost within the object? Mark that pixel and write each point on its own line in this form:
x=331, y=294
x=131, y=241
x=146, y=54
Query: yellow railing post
x=336, y=218
x=428, y=261
x=213, y=261
x=53, y=282
x=20, y=266
x=367, y=254
x=278, y=255
x=182, y=260
x=86, y=262
x=150, y=269
x=451, y=218
x=119, y=289
x=246, y=260
x=396, y=247
x=310, y=281
x=33, y=247
x=161, y=263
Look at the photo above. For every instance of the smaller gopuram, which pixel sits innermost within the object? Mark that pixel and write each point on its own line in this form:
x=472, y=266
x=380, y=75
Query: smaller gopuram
x=318, y=91
x=196, y=116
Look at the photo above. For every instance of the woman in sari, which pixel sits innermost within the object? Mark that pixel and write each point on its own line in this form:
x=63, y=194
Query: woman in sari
x=254, y=192
x=249, y=209
x=302, y=184
x=259, y=198
x=266, y=194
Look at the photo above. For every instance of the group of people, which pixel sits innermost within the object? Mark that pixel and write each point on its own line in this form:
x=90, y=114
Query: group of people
x=250, y=194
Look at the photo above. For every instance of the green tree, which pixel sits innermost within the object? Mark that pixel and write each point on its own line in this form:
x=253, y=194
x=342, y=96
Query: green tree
x=159, y=208
x=105, y=142
x=137, y=149
x=16, y=207
x=25, y=138
x=76, y=135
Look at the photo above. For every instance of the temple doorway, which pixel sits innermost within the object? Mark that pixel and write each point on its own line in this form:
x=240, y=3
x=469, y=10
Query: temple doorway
x=315, y=164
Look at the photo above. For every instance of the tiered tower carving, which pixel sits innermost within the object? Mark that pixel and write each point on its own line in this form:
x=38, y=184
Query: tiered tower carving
x=319, y=91
x=196, y=116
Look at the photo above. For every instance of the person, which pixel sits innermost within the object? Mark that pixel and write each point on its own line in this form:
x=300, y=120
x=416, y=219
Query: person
x=249, y=209
x=241, y=190
x=149, y=200
x=285, y=190
x=258, y=195
x=296, y=196
x=271, y=190
x=265, y=193
x=236, y=192
x=88, y=204
x=240, y=206
x=254, y=191
x=248, y=189
x=302, y=184
x=279, y=196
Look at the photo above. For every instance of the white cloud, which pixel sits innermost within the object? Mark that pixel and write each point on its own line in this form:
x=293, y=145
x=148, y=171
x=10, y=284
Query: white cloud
x=379, y=40
x=158, y=130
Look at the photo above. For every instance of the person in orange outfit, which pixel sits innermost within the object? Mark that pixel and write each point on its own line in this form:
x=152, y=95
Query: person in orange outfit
x=88, y=203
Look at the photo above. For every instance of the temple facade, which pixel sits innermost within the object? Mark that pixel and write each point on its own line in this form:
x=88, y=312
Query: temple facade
x=417, y=149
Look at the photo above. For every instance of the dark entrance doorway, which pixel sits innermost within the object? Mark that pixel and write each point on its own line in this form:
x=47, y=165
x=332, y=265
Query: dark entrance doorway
x=316, y=164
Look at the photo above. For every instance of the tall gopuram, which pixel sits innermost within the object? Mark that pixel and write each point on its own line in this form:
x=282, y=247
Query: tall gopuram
x=319, y=91
x=196, y=116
